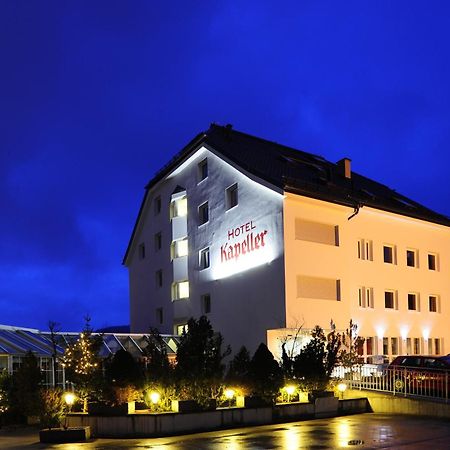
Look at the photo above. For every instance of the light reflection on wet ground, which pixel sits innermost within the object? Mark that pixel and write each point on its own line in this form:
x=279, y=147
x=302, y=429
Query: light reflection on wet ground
x=366, y=431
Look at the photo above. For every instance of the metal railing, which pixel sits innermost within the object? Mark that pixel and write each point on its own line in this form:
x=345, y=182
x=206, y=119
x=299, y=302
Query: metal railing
x=405, y=381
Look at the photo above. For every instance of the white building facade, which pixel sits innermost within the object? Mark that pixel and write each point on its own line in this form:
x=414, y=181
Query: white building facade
x=264, y=239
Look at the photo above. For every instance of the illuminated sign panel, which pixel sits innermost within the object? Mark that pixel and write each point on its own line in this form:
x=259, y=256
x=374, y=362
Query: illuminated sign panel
x=246, y=246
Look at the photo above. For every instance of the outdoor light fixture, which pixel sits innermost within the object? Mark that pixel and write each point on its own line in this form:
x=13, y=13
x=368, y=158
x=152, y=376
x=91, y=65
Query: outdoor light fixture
x=229, y=395
x=290, y=389
x=155, y=397
x=342, y=388
x=69, y=398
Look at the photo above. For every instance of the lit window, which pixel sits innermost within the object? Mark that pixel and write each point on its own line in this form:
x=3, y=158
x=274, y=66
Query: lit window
x=411, y=258
x=206, y=303
x=157, y=205
x=204, y=258
x=178, y=207
x=182, y=328
x=159, y=278
x=432, y=261
x=203, y=213
x=202, y=170
x=416, y=346
x=389, y=300
x=389, y=254
x=413, y=302
x=180, y=290
x=365, y=249
x=433, y=303
x=408, y=346
x=179, y=248
x=158, y=241
x=141, y=251
x=231, y=196
x=159, y=315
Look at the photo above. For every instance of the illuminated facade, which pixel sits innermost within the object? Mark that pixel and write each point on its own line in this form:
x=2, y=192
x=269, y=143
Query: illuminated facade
x=264, y=239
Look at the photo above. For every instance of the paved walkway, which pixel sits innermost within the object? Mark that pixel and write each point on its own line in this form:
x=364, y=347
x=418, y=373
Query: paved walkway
x=363, y=431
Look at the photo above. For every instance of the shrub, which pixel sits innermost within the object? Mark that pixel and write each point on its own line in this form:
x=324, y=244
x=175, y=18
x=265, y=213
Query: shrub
x=52, y=408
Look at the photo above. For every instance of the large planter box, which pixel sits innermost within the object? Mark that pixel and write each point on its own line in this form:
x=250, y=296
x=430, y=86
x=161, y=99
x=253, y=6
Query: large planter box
x=187, y=406
x=256, y=402
x=102, y=409
x=63, y=435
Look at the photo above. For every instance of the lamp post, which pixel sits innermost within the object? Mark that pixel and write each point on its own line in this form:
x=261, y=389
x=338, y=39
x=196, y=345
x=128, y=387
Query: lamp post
x=229, y=395
x=342, y=387
x=69, y=399
x=290, y=390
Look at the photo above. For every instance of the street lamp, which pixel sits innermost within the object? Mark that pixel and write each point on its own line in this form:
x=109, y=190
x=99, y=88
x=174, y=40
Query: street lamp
x=290, y=390
x=229, y=395
x=69, y=399
x=342, y=387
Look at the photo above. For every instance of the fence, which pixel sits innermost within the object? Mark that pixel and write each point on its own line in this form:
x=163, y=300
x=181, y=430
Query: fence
x=406, y=381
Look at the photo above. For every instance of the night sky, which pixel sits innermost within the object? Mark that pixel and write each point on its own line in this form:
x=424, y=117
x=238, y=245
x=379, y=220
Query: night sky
x=95, y=96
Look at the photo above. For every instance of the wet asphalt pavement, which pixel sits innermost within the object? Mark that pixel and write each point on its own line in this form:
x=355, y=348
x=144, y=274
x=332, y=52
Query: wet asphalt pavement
x=363, y=431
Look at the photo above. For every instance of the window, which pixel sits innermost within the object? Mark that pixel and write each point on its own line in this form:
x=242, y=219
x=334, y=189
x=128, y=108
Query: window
x=389, y=254
x=416, y=346
x=159, y=315
x=203, y=213
x=408, y=346
x=432, y=261
x=411, y=258
x=321, y=233
x=159, y=278
x=202, y=170
x=394, y=346
x=413, y=302
x=180, y=290
x=178, y=207
x=141, y=251
x=390, y=300
x=206, y=303
x=157, y=205
x=179, y=248
x=433, y=303
x=204, y=258
x=370, y=347
x=318, y=288
x=437, y=346
x=365, y=249
x=365, y=297
x=158, y=241
x=182, y=328
x=231, y=196
x=385, y=346
x=430, y=346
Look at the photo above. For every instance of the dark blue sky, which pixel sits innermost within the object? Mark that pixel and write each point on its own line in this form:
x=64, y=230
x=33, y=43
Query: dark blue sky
x=97, y=96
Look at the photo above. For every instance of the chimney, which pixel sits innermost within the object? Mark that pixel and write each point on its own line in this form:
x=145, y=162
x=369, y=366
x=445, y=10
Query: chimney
x=345, y=166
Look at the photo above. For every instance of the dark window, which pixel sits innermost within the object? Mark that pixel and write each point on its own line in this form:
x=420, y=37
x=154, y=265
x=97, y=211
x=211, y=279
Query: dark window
x=159, y=278
x=202, y=170
x=157, y=205
x=432, y=262
x=231, y=196
x=142, y=251
x=432, y=303
x=411, y=258
x=158, y=241
x=389, y=300
x=206, y=303
x=203, y=213
x=388, y=254
x=204, y=258
x=159, y=315
x=385, y=346
x=412, y=302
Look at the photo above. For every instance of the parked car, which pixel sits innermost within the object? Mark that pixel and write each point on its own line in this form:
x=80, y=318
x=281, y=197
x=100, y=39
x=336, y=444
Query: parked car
x=417, y=374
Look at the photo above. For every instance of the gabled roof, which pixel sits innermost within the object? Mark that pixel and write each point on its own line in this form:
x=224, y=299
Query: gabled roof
x=298, y=172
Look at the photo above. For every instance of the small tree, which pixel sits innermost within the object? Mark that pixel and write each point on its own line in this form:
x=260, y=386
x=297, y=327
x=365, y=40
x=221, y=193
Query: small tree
x=265, y=374
x=157, y=368
x=52, y=408
x=83, y=364
x=54, y=328
x=199, y=368
x=351, y=343
x=239, y=370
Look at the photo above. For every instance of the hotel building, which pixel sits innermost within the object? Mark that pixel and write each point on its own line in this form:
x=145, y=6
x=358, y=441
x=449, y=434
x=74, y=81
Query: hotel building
x=264, y=239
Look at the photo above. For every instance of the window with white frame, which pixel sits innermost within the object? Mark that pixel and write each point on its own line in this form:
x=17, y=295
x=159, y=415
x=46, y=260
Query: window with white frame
x=412, y=258
x=432, y=261
x=231, y=196
x=413, y=301
x=389, y=254
x=390, y=300
x=179, y=248
x=178, y=207
x=394, y=346
x=203, y=258
x=203, y=213
x=180, y=290
x=181, y=328
x=365, y=297
x=365, y=249
x=202, y=170
x=433, y=303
